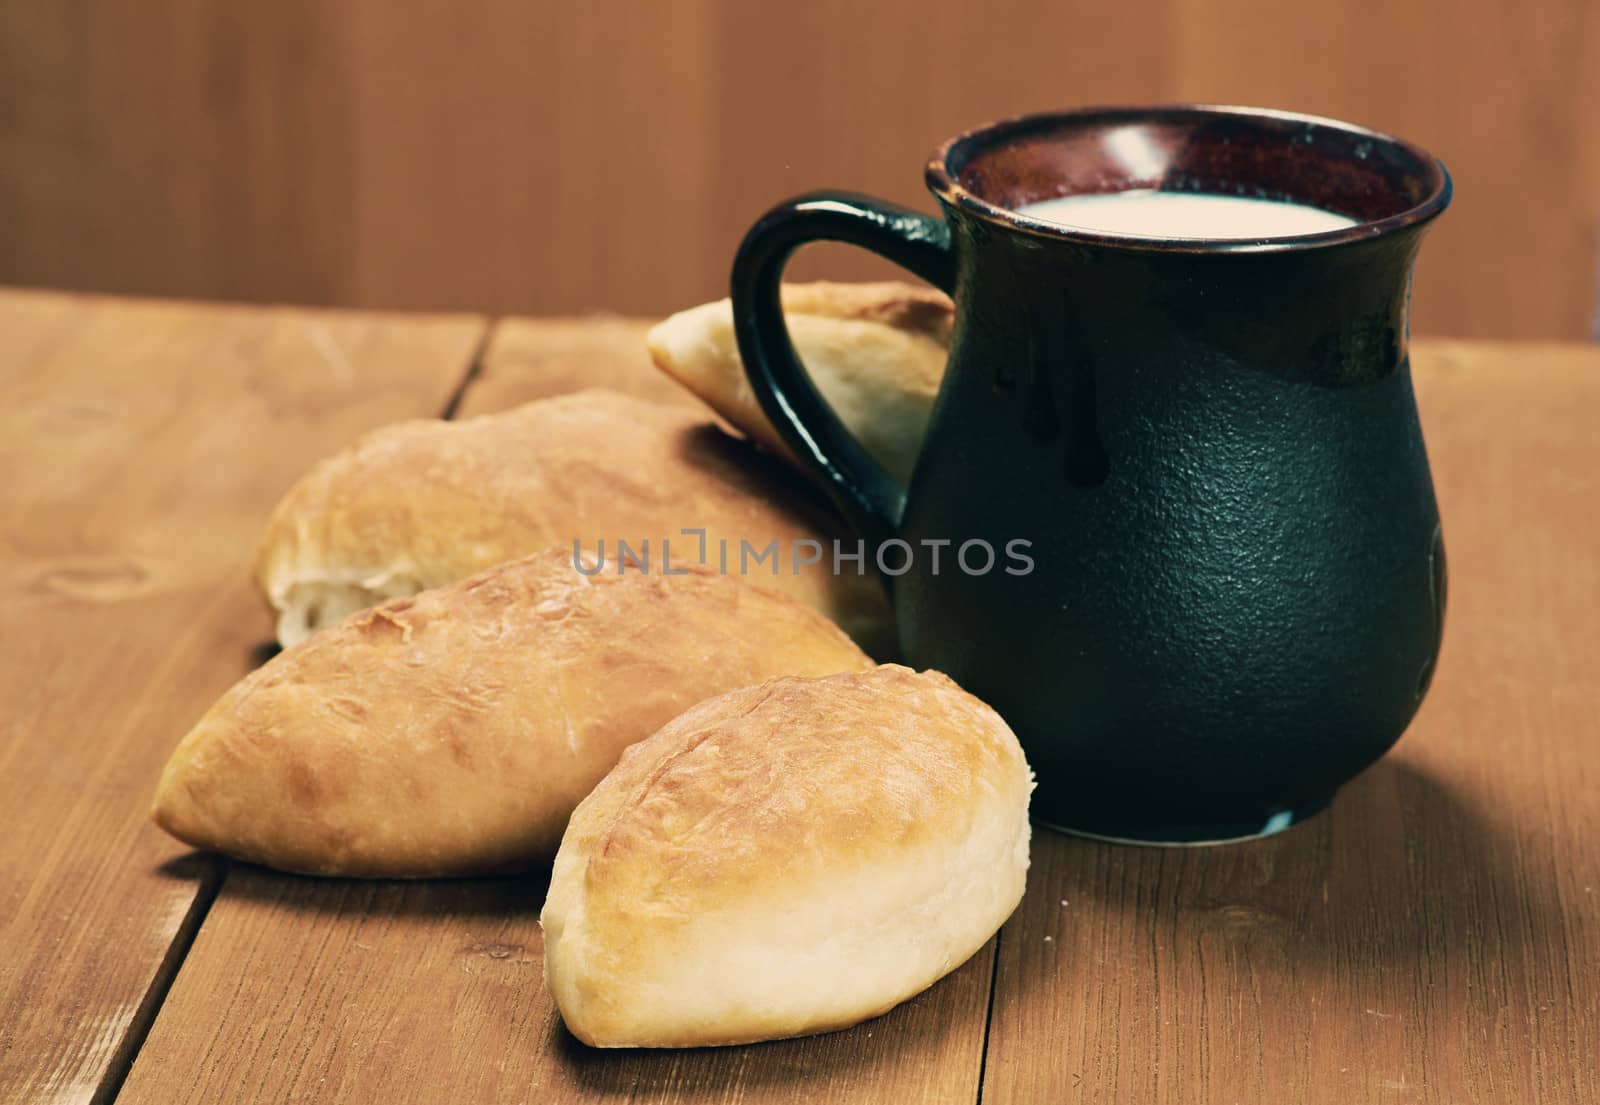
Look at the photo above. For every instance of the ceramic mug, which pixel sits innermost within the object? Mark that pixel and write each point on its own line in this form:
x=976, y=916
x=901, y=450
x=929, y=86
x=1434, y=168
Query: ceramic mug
x=1209, y=447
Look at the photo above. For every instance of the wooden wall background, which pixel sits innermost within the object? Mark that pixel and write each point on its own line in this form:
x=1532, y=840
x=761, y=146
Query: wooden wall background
x=541, y=157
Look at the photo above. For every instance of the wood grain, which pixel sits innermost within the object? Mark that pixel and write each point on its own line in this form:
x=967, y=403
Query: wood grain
x=141, y=445
x=317, y=990
x=1435, y=937
x=529, y=359
x=558, y=158
x=433, y=992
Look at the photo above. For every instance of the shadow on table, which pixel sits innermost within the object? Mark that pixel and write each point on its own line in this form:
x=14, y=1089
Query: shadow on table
x=263, y=652
x=931, y=1044
x=1400, y=874
x=508, y=896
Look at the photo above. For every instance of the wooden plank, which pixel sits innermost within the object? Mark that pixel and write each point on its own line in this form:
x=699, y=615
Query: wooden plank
x=1434, y=937
x=529, y=359
x=559, y=158
x=142, y=445
x=391, y=992
x=302, y=990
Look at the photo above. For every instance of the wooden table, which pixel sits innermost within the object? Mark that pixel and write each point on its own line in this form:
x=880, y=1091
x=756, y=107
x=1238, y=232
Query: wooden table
x=1434, y=937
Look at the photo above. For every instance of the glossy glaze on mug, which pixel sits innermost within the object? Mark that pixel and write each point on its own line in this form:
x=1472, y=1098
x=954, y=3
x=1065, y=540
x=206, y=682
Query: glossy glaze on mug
x=1212, y=447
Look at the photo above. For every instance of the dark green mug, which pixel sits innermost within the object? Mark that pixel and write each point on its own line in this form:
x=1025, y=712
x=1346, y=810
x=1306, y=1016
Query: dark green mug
x=1207, y=452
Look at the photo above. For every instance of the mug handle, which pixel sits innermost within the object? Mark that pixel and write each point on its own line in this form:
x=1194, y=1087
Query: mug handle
x=871, y=501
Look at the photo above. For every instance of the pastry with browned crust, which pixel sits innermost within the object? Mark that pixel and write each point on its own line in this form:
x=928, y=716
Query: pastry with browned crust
x=788, y=858
x=876, y=352
x=424, y=503
x=453, y=732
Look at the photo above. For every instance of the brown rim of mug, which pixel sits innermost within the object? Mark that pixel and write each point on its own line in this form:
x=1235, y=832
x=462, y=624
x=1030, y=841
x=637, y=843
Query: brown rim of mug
x=946, y=184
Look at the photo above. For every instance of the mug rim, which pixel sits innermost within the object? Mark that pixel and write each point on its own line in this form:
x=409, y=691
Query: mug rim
x=947, y=187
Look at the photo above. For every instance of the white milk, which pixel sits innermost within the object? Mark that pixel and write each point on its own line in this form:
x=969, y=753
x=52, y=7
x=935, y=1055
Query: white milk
x=1147, y=213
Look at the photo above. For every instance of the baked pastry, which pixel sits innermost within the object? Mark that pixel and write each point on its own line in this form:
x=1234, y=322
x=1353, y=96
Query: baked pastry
x=421, y=504
x=788, y=858
x=453, y=732
x=876, y=352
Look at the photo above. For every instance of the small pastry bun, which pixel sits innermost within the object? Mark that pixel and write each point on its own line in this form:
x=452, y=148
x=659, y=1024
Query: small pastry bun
x=876, y=352
x=785, y=859
x=453, y=732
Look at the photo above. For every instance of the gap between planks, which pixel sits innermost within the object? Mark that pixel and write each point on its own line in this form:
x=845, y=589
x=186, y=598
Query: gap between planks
x=211, y=880
x=218, y=868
